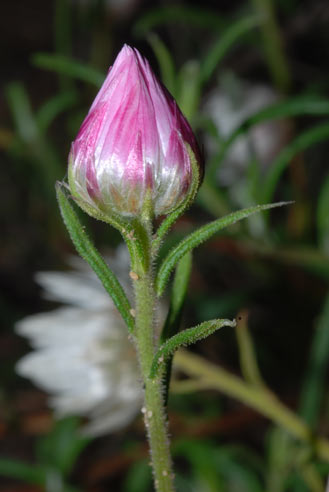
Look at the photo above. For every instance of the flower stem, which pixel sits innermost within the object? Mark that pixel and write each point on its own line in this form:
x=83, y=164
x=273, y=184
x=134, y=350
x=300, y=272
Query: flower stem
x=147, y=343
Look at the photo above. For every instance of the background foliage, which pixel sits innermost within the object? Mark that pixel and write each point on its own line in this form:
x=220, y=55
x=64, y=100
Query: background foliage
x=273, y=268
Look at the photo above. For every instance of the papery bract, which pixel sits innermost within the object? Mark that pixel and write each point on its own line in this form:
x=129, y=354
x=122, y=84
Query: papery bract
x=134, y=147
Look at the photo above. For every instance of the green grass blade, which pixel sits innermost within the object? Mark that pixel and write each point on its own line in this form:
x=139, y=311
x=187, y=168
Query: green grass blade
x=87, y=250
x=184, y=338
x=165, y=61
x=68, y=66
x=295, y=106
x=53, y=107
x=224, y=43
x=314, y=387
x=34, y=474
x=322, y=216
x=187, y=15
x=37, y=148
x=199, y=236
x=177, y=299
x=300, y=143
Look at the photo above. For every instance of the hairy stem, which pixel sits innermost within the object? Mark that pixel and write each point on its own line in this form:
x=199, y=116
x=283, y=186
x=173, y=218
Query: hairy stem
x=153, y=410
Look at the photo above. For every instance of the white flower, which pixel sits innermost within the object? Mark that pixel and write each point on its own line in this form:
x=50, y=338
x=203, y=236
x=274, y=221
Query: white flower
x=82, y=355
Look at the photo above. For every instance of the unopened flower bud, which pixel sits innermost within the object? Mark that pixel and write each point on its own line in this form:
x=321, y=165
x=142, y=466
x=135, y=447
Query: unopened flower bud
x=134, y=147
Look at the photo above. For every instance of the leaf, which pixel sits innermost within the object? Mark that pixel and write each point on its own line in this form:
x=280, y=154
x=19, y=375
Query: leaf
x=314, y=386
x=188, y=92
x=87, y=250
x=224, y=43
x=184, y=338
x=23, y=471
x=165, y=61
x=199, y=236
x=68, y=66
x=41, y=154
x=53, y=107
x=294, y=106
x=322, y=216
x=177, y=298
x=60, y=448
x=247, y=355
x=187, y=15
x=300, y=143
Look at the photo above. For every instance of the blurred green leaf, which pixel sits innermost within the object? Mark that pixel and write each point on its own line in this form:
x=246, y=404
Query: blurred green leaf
x=177, y=297
x=53, y=107
x=314, y=386
x=60, y=449
x=199, y=236
x=35, y=474
x=189, y=89
x=301, y=142
x=219, y=468
x=41, y=154
x=68, y=66
x=165, y=61
x=294, y=106
x=280, y=454
x=322, y=216
x=226, y=39
x=188, y=15
x=138, y=477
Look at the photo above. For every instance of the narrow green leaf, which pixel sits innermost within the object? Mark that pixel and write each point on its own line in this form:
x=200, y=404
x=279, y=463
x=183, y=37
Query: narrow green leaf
x=177, y=298
x=165, y=61
x=199, y=236
x=171, y=218
x=322, y=216
x=60, y=448
x=294, y=106
x=224, y=43
x=53, y=107
x=247, y=354
x=41, y=153
x=23, y=471
x=187, y=15
x=68, y=66
x=188, y=92
x=184, y=338
x=314, y=386
x=300, y=143
x=87, y=250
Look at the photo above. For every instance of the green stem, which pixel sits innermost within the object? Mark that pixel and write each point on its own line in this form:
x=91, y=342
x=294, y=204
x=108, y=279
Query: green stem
x=147, y=343
x=259, y=398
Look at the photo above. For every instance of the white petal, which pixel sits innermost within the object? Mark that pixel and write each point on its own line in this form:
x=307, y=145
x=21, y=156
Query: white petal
x=77, y=288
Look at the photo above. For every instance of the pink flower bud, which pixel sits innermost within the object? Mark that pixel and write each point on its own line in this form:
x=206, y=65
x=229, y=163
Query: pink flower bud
x=134, y=145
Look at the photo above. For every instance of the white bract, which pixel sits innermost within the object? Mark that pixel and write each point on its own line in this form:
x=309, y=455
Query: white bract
x=82, y=355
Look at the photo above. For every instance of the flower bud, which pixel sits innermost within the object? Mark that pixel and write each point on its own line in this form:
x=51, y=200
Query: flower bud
x=135, y=149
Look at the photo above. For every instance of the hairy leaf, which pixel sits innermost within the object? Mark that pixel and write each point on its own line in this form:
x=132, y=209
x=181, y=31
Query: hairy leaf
x=199, y=236
x=184, y=338
x=87, y=250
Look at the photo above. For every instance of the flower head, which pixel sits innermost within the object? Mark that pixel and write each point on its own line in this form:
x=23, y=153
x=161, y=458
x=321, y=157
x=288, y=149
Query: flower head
x=134, y=145
x=82, y=355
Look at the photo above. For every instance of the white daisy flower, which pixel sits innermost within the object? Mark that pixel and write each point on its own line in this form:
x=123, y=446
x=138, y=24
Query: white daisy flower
x=82, y=355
